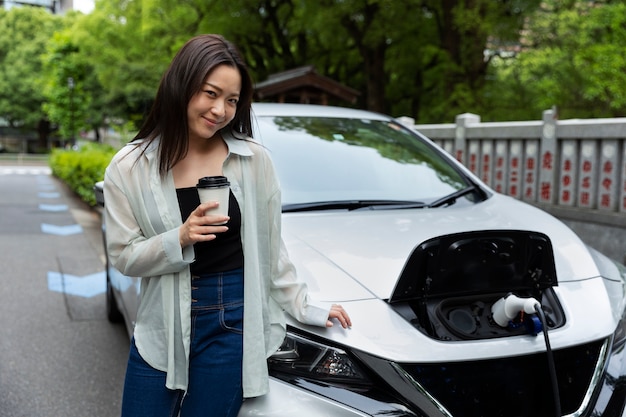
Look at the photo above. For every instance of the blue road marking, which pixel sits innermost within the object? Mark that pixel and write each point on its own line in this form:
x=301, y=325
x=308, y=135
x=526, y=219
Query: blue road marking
x=86, y=286
x=49, y=195
x=52, y=229
x=53, y=207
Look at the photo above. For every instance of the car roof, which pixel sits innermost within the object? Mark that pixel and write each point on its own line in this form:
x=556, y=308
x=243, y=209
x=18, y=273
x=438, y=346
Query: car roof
x=313, y=110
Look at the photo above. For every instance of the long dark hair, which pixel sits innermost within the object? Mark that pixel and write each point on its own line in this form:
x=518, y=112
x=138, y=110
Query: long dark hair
x=184, y=78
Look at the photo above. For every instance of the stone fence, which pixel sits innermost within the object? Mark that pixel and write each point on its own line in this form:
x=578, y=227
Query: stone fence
x=575, y=169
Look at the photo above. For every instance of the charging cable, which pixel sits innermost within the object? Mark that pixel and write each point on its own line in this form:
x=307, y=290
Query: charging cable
x=506, y=309
x=551, y=365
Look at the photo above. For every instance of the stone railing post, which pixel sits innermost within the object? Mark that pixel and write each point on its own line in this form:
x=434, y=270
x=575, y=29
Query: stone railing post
x=548, y=168
x=460, y=135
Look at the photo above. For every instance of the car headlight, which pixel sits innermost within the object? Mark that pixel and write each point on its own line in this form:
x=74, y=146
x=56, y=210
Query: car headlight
x=306, y=358
x=335, y=374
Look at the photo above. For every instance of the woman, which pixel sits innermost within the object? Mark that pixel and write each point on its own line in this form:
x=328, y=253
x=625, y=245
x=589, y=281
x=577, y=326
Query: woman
x=203, y=282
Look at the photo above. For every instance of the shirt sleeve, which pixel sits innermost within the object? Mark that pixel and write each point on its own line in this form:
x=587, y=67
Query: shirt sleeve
x=134, y=247
x=290, y=292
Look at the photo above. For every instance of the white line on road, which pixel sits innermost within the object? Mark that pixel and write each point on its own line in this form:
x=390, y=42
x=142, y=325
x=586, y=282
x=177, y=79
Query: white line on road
x=25, y=170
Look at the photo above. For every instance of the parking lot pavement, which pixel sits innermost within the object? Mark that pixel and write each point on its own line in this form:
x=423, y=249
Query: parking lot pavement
x=59, y=356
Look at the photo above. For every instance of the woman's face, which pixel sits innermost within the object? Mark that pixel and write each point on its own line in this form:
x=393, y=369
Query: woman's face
x=214, y=106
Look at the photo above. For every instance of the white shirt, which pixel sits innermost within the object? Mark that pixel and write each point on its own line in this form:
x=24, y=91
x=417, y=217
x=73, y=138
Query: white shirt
x=143, y=218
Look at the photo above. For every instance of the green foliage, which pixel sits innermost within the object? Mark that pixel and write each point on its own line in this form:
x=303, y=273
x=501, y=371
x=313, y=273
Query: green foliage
x=428, y=59
x=66, y=78
x=573, y=58
x=24, y=32
x=129, y=45
x=464, y=34
x=81, y=169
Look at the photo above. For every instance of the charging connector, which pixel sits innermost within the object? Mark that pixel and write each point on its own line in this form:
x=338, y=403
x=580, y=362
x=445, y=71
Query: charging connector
x=507, y=308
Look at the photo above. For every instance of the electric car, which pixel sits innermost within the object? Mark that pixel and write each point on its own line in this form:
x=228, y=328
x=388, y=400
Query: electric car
x=464, y=302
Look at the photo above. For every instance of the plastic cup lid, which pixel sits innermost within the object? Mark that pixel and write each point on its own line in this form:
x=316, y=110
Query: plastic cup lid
x=213, y=182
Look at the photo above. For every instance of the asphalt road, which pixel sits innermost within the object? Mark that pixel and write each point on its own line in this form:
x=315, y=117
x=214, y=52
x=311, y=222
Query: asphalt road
x=59, y=356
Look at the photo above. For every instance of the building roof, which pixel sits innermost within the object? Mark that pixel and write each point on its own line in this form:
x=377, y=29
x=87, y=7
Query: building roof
x=303, y=85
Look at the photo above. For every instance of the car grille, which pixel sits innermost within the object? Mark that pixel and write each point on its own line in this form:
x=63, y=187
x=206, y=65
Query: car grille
x=510, y=387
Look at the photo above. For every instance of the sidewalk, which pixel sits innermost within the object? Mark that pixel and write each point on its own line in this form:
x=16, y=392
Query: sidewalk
x=23, y=159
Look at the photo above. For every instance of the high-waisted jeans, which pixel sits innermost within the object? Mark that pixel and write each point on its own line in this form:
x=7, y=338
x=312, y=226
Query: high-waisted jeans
x=215, y=358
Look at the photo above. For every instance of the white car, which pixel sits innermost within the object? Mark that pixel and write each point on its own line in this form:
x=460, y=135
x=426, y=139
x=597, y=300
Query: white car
x=464, y=302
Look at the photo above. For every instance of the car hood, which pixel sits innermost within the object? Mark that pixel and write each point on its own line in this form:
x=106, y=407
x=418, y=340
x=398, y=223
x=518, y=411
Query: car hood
x=355, y=258
x=360, y=254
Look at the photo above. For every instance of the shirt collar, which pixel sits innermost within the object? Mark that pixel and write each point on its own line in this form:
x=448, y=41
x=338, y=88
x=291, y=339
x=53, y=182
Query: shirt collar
x=236, y=144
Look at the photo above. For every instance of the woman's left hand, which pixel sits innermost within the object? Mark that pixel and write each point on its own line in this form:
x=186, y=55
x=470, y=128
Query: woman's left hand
x=337, y=312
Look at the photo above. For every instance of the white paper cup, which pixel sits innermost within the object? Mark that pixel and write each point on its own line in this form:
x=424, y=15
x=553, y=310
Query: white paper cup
x=214, y=189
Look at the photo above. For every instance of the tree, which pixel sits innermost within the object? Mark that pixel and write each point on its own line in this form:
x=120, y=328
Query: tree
x=129, y=45
x=270, y=34
x=24, y=32
x=429, y=59
x=345, y=40
x=465, y=36
x=66, y=77
x=572, y=58
x=424, y=58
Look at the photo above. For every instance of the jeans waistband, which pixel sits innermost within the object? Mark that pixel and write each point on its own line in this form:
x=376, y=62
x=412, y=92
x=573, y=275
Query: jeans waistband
x=238, y=271
x=217, y=290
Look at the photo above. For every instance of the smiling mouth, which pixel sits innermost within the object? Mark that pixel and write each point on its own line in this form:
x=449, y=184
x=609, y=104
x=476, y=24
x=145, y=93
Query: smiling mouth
x=211, y=122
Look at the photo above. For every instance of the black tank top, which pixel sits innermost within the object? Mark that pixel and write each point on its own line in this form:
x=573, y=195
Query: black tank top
x=223, y=253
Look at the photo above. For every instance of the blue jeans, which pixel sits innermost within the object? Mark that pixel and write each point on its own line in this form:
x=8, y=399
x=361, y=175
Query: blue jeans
x=214, y=363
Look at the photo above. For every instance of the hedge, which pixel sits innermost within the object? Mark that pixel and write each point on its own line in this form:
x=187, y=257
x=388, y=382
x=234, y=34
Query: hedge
x=81, y=169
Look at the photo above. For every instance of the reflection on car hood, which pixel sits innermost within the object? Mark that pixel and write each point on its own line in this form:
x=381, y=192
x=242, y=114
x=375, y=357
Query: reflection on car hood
x=360, y=254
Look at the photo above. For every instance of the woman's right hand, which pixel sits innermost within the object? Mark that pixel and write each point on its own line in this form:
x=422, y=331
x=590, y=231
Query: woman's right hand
x=201, y=228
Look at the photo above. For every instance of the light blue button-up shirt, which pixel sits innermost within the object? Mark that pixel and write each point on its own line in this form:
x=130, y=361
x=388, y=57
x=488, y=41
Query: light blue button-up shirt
x=142, y=229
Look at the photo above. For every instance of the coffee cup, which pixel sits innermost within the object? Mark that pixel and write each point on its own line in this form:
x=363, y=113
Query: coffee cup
x=215, y=188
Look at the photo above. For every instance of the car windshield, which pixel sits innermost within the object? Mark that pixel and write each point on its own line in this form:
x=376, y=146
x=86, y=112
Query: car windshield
x=321, y=161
